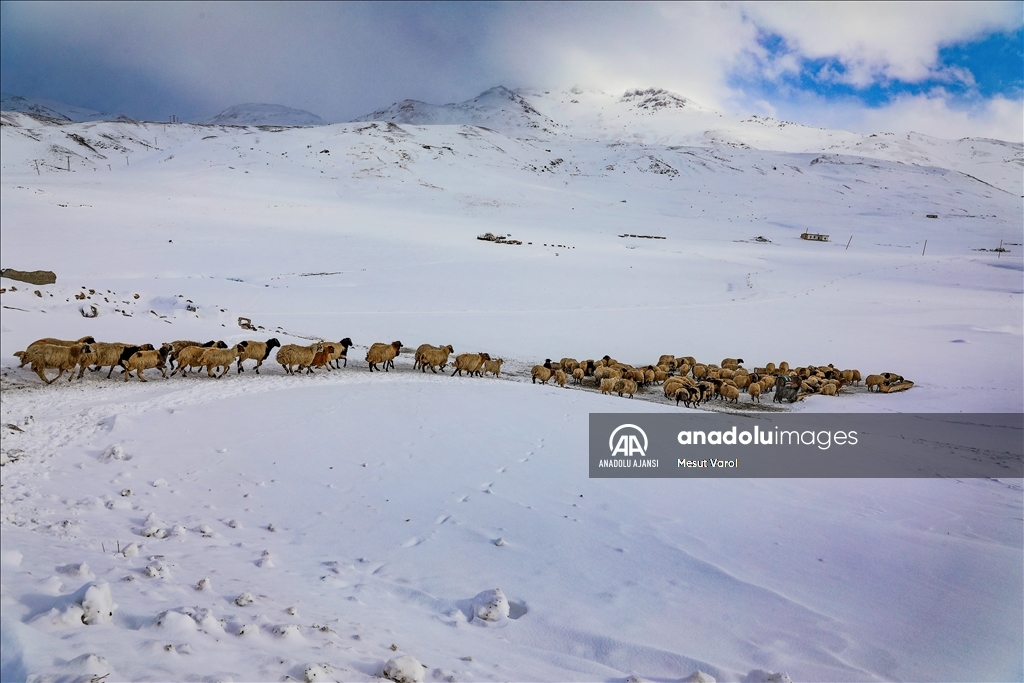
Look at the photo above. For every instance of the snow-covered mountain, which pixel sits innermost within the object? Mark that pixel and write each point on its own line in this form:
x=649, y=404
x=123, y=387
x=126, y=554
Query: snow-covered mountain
x=499, y=108
x=654, y=116
x=255, y=114
x=55, y=110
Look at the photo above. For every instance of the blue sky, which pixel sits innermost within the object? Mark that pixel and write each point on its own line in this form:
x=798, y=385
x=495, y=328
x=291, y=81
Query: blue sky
x=948, y=69
x=970, y=71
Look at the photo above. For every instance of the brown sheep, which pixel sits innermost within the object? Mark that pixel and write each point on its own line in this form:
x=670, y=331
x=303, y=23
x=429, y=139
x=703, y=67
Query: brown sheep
x=340, y=353
x=322, y=357
x=53, y=357
x=257, y=351
x=730, y=393
x=383, y=353
x=541, y=372
x=145, y=360
x=473, y=363
x=603, y=373
x=101, y=355
x=434, y=357
x=851, y=376
x=189, y=357
x=221, y=358
x=294, y=356
x=577, y=376
x=700, y=371
x=690, y=396
x=493, y=366
x=178, y=346
x=608, y=385
x=419, y=352
x=754, y=390
x=829, y=389
x=625, y=386
x=560, y=378
x=51, y=341
x=884, y=378
x=569, y=364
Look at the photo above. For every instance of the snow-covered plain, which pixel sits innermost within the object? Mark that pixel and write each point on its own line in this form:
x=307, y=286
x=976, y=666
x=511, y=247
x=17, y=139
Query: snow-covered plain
x=345, y=519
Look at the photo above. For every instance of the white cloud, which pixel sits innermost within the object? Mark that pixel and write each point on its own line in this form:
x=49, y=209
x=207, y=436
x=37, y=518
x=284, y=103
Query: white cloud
x=882, y=40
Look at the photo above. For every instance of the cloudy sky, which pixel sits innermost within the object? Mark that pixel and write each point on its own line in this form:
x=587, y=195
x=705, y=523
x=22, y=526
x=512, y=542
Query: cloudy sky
x=947, y=69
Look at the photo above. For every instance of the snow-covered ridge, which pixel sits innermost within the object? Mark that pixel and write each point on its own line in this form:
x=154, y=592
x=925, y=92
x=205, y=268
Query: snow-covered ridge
x=256, y=114
x=55, y=110
x=654, y=116
x=498, y=108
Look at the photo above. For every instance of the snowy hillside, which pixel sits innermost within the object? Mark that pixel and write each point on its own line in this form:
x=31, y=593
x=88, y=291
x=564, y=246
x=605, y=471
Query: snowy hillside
x=265, y=115
x=654, y=116
x=258, y=527
x=52, y=109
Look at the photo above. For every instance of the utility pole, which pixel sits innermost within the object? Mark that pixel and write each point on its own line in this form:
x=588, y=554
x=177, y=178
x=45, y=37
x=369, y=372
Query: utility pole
x=848, y=243
x=925, y=247
x=37, y=167
x=69, y=162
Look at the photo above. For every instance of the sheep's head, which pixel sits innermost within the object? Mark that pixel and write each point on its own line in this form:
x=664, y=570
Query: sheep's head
x=397, y=345
x=272, y=342
x=164, y=350
x=87, y=340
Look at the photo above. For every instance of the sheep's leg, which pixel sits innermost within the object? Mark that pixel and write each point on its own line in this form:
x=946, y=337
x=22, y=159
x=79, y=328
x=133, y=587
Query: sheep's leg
x=39, y=371
x=258, y=364
x=346, y=362
x=163, y=370
x=241, y=369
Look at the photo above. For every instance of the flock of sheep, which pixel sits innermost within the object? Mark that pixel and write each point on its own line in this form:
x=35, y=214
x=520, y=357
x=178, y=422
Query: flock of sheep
x=682, y=378
x=692, y=383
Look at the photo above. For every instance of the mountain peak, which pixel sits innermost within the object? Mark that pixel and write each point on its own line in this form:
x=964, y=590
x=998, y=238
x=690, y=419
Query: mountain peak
x=656, y=99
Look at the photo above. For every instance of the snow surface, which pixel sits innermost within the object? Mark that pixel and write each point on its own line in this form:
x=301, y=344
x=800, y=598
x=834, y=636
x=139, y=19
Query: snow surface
x=318, y=527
